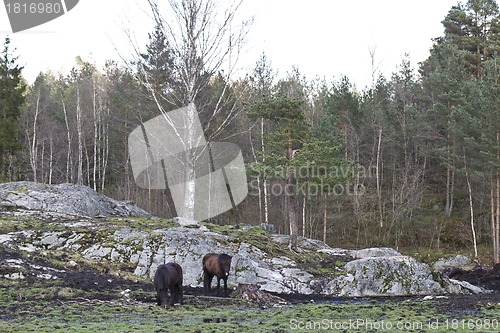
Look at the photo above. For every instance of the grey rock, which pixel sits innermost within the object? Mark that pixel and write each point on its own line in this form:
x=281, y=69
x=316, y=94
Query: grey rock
x=63, y=200
x=397, y=275
x=375, y=252
x=303, y=242
x=268, y=227
x=464, y=285
x=448, y=264
x=336, y=252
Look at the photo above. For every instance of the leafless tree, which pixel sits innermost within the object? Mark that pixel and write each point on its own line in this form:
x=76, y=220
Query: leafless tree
x=205, y=38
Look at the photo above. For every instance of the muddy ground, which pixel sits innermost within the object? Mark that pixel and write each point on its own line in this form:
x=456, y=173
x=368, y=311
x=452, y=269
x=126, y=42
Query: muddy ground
x=90, y=285
x=90, y=299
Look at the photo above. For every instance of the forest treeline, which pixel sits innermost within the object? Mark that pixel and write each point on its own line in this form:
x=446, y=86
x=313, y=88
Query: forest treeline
x=410, y=161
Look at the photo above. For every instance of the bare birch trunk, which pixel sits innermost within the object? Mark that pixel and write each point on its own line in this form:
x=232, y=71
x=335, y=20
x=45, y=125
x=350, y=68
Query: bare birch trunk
x=324, y=218
x=260, y=198
x=379, y=185
x=105, y=155
x=34, y=140
x=41, y=162
x=266, y=210
x=471, y=207
x=87, y=160
x=69, y=167
x=51, y=161
x=290, y=195
x=495, y=208
x=80, y=138
x=494, y=237
x=189, y=167
x=450, y=177
x=96, y=137
x=304, y=217
x=497, y=224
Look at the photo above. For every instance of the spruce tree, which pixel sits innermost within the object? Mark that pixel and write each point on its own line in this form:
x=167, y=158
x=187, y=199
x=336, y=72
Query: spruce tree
x=12, y=88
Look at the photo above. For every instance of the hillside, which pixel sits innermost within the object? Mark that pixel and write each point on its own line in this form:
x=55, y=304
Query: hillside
x=55, y=262
x=43, y=237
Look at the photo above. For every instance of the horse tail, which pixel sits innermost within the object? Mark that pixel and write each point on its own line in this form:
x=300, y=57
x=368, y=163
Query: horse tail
x=159, y=281
x=179, y=269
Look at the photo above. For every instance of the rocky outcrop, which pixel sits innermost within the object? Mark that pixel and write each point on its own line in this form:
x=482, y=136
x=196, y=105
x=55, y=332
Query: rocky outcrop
x=388, y=273
x=384, y=271
x=260, y=258
x=62, y=200
x=385, y=275
x=145, y=251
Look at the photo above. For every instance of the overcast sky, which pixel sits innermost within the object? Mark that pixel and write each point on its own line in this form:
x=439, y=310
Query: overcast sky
x=326, y=38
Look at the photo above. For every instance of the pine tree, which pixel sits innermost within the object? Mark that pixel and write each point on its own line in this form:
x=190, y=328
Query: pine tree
x=460, y=79
x=12, y=88
x=342, y=106
x=474, y=28
x=291, y=132
x=444, y=77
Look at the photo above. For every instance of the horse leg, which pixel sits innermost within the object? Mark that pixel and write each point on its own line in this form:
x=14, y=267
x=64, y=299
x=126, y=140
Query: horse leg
x=162, y=298
x=218, y=285
x=225, y=286
x=207, y=281
x=180, y=292
x=158, y=297
x=176, y=294
x=172, y=295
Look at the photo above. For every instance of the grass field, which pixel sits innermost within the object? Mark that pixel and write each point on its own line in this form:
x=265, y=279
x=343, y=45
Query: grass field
x=50, y=310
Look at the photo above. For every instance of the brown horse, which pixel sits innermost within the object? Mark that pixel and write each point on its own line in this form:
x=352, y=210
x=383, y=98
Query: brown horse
x=169, y=277
x=216, y=265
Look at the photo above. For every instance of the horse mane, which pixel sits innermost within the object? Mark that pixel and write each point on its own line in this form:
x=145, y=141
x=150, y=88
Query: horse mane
x=223, y=256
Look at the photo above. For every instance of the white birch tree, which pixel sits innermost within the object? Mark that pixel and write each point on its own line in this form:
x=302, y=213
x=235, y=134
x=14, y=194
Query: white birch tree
x=204, y=38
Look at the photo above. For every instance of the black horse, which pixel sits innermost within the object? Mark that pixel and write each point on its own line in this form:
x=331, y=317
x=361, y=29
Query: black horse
x=169, y=277
x=216, y=265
